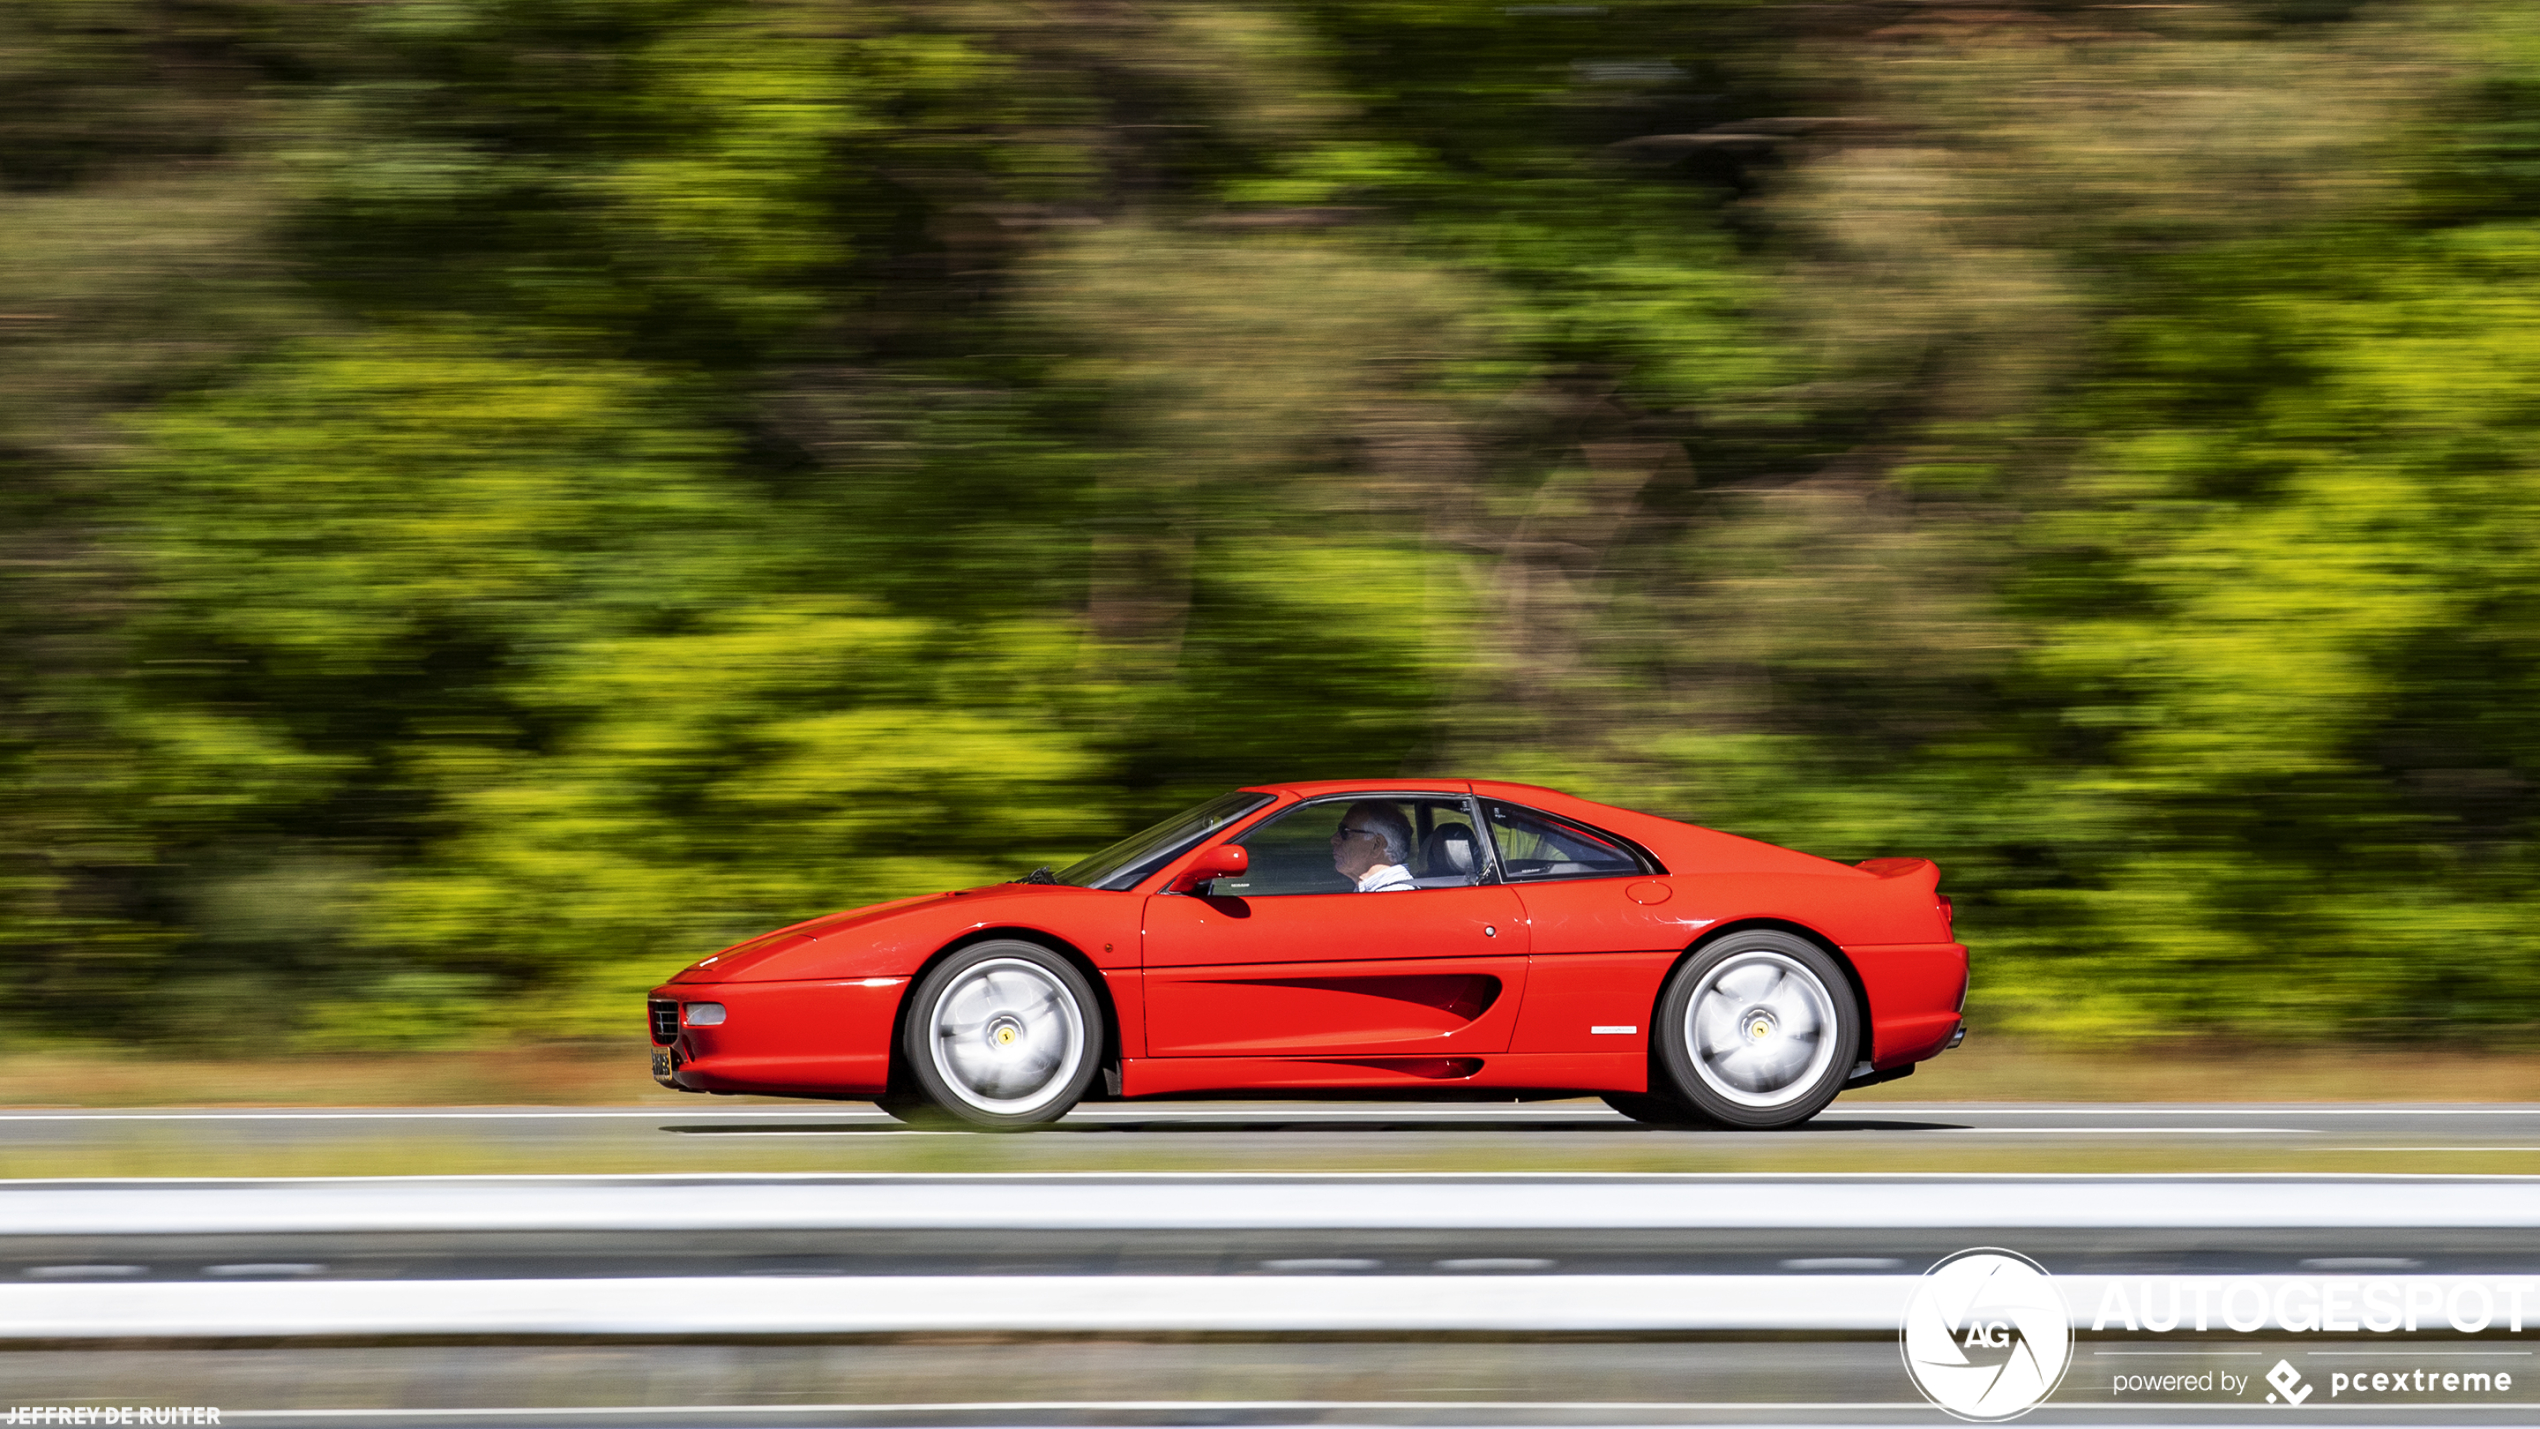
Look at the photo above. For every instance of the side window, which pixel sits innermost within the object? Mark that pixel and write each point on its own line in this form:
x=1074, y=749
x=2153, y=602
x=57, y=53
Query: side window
x=1300, y=851
x=1533, y=845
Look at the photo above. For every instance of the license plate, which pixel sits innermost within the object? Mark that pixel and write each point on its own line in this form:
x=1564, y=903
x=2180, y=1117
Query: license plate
x=661, y=1065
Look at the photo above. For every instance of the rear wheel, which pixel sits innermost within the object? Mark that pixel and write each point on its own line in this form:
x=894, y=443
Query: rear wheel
x=1758, y=1030
x=1001, y=1035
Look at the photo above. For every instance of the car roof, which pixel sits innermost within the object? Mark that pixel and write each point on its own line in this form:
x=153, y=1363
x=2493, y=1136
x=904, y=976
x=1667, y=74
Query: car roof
x=1489, y=788
x=1317, y=788
x=1549, y=800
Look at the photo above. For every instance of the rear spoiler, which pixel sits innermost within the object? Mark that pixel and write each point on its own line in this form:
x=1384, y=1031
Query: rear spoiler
x=1920, y=870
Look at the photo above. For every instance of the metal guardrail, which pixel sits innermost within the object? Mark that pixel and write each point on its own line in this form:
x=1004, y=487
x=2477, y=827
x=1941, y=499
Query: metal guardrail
x=661, y=1306
x=1181, y=1202
x=1006, y=1304
x=641, y=1211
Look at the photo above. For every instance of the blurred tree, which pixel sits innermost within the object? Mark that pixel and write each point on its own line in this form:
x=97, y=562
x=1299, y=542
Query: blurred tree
x=505, y=495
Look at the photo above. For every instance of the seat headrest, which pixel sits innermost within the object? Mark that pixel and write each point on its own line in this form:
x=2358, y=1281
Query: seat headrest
x=1448, y=850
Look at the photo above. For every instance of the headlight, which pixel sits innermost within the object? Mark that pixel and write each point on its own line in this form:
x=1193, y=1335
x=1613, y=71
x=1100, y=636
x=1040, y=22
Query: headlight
x=705, y=1014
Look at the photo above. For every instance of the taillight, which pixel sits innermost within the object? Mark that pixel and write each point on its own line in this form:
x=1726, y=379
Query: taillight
x=1948, y=914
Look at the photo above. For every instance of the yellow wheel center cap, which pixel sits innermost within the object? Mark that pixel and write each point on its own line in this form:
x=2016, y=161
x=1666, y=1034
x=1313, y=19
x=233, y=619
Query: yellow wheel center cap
x=1758, y=1030
x=1005, y=1036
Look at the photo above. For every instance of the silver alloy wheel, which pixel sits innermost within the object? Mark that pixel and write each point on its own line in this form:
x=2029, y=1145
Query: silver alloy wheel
x=1760, y=1028
x=1008, y=1036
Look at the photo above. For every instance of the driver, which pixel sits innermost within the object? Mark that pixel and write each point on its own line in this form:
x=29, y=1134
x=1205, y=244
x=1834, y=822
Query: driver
x=1372, y=846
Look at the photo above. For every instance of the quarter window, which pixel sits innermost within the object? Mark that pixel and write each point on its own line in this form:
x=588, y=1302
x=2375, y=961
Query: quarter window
x=1539, y=846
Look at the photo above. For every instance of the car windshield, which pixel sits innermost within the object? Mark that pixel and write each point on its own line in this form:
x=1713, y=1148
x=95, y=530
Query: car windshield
x=1123, y=864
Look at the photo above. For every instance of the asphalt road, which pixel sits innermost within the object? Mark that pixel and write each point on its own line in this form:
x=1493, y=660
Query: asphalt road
x=2076, y=1226
x=2392, y=1126
x=715, y=1134
x=1148, y=1383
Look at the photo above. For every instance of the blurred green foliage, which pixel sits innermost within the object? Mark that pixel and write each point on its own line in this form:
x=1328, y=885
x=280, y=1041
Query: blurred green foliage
x=503, y=496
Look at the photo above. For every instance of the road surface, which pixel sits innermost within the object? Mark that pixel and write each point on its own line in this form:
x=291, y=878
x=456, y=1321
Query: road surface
x=1442, y=1286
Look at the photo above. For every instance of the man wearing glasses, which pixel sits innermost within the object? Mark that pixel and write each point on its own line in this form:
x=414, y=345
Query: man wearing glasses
x=1372, y=847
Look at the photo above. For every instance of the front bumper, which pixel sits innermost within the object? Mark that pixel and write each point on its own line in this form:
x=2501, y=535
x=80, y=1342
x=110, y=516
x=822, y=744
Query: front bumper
x=783, y=1038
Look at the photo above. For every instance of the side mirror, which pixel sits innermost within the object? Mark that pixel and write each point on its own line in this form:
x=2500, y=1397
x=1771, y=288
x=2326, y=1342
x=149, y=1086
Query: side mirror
x=1223, y=861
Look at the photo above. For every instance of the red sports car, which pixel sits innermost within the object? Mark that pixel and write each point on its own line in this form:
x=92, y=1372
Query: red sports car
x=1412, y=937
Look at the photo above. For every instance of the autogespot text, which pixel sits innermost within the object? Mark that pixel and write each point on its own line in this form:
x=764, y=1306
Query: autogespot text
x=2367, y=1304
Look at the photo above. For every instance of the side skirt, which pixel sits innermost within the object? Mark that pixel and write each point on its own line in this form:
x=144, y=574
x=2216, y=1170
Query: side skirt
x=1583, y=1072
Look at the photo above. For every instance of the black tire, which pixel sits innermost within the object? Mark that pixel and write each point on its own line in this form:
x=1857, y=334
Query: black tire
x=1655, y=1110
x=1757, y=1030
x=1000, y=1036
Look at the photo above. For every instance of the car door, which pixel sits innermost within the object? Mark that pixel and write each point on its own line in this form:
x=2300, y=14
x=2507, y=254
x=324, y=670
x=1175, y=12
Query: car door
x=1602, y=930
x=1290, y=960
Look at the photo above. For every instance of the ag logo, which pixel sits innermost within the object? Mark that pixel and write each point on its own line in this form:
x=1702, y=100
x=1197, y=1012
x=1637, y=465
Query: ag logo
x=1987, y=1335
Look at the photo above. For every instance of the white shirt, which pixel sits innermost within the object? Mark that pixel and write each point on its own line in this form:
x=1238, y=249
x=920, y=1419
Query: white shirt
x=1387, y=878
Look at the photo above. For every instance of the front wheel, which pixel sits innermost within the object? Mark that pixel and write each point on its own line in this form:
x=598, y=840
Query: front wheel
x=1758, y=1030
x=1002, y=1035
